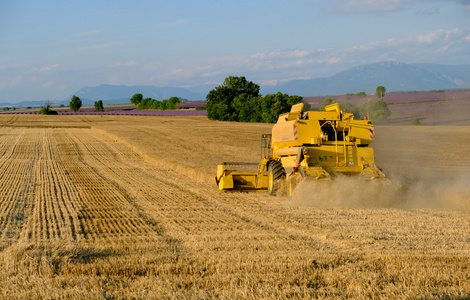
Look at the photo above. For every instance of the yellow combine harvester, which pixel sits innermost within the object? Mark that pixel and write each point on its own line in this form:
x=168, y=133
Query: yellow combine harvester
x=310, y=145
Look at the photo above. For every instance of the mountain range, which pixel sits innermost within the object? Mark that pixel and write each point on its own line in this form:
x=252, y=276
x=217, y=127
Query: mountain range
x=394, y=76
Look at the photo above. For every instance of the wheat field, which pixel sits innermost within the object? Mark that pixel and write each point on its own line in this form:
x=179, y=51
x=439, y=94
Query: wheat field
x=126, y=207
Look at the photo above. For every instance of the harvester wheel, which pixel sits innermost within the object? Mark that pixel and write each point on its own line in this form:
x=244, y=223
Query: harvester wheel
x=276, y=175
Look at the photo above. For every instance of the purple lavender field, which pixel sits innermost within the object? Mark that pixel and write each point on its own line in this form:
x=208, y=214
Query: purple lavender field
x=393, y=99
x=433, y=108
x=125, y=110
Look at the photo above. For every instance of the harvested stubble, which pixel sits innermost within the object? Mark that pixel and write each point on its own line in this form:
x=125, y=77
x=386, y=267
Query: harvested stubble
x=127, y=209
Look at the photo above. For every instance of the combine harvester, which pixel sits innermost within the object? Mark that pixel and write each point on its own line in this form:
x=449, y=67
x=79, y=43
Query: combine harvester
x=313, y=145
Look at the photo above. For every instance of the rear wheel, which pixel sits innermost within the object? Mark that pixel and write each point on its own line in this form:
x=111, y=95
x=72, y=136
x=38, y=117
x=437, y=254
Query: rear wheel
x=276, y=175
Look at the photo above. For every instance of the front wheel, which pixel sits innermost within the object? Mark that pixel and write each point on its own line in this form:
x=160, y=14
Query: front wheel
x=276, y=174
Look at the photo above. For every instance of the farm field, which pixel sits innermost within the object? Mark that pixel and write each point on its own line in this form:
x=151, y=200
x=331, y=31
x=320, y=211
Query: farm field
x=127, y=207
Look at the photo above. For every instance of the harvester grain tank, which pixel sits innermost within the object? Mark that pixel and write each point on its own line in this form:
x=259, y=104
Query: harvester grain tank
x=312, y=145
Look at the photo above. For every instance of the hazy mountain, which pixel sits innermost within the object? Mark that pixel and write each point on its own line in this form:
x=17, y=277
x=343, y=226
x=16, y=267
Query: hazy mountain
x=394, y=76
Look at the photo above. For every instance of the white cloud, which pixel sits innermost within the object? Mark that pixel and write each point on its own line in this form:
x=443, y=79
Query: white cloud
x=267, y=68
x=431, y=37
x=429, y=47
x=44, y=69
x=277, y=66
x=298, y=53
x=333, y=60
x=131, y=63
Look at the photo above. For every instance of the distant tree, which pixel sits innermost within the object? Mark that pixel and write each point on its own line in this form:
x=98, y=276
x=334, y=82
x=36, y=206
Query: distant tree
x=99, y=105
x=47, y=109
x=380, y=92
x=326, y=102
x=75, y=103
x=375, y=109
x=136, y=98
x=415, y=121
x=307, y=106
x=174, y=103
x=350, y=108
x=144, y=103
x=344, y=106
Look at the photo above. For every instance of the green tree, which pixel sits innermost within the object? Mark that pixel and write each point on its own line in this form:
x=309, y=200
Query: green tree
x=47, y=109
x=247, y=108
x=136, y=98
x=174, y=103
x=144, y=103
x=75, y=103
x=375, y=109
x=219, y=103
x=380, y=92
x=238, y=99
x=163, y=105
x=275, y=104
x=99, y=105
x=220, y=100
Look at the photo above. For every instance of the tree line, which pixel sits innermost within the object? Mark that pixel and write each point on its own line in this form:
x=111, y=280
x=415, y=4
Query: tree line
x=148, y=103
x=238, y=99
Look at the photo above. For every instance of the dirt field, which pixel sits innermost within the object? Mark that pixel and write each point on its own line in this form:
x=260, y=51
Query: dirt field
x=126, y=207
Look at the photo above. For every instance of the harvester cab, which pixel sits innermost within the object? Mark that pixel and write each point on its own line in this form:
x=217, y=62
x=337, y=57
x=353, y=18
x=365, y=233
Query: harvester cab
x=312, y=145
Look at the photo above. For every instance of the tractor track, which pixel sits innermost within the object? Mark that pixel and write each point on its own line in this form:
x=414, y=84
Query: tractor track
x=16, y=183
x=186, y=210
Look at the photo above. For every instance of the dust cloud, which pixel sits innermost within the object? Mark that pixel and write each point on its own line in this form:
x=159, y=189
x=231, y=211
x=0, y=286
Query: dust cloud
x=426, y=167
x=404, y=192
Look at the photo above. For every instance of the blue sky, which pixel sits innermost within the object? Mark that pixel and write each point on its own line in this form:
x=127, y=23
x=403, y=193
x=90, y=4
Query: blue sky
x=50, y=49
